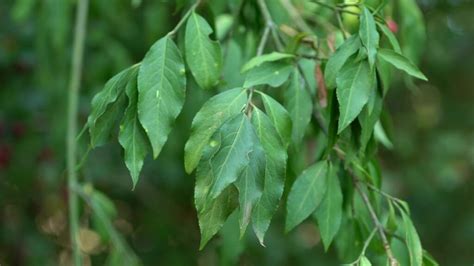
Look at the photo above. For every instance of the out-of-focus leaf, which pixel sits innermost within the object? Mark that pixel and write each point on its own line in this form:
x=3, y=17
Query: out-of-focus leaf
x=203, y=55
x=209, y=118
x=161, y=91
x=306, y=194
x=364, y=261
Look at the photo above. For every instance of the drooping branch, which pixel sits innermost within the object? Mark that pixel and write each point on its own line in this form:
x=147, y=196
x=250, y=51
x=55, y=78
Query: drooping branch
x=71, y=144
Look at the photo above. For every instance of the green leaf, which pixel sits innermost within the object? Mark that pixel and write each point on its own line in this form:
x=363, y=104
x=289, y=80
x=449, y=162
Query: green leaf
x=258, y=60
x=368, y=120
x=428, y=260
x=203, y=55
x=161, y=91
x=299, y=105
x=275, y=172
x=412, y=240
x=391, y=37
x=401, y=62
x=381, y=136
x=270, y=73
x=237, y=139
x=368, y=34
x=132, y=137
x=306, y=194
x=250, y=184
x=103, y=103
x=338, y=59
x=354, y=85
x=364, y=261
x=209, y=118
x=102, y=129
x=214, y=215
x=329, y=213
x=279, y=116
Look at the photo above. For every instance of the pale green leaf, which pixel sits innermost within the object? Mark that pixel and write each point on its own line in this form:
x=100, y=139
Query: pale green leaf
x=258, y=60
x=401, y=62
x=391, y=37
x=306, y=194
x=106, y=103
x=275, y=172
x=412, y=240
x=209, y=118
x=270, y=73
x=381, y=136
x=250, y=184
x=161, y=91
x=132, y=137
x=354, y=85
x=203, y=55
x=329, y=213
x=300, y=106
x=338, y=59
x=364, y=261
x=428, y=260
x=279, y=116
x=368, y=34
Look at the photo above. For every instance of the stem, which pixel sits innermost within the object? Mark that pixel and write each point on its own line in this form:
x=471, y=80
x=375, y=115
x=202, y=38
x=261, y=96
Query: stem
x=173, y=32
x=270, y=23
x=71, y=144
x=392, y=260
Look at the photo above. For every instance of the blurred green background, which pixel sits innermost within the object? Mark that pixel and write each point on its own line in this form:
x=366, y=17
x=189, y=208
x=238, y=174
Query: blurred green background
x=431, y=166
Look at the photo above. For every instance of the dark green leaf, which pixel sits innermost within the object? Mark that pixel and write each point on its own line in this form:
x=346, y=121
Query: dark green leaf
x=354, y=85
x=401, y=62
x=103, y=103
x=299, y=105
x=329, y=213
x=368, y=120
x=132, y=137
x=368, y=34
x=250, y=184
x=270, y=73
x=279, y=116
x=209, y=118
x=161, y=91
x=275, y=171
x=337, y=60
x=203, y=55
x=306, y=194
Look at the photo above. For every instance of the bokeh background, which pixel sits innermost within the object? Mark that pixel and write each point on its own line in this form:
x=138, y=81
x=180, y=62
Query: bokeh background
x=431, y=165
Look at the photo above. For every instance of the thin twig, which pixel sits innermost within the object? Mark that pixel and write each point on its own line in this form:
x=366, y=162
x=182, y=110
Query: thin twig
x=173, y=32
x=392, y=260
x=270, y=23
x=71, y=144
